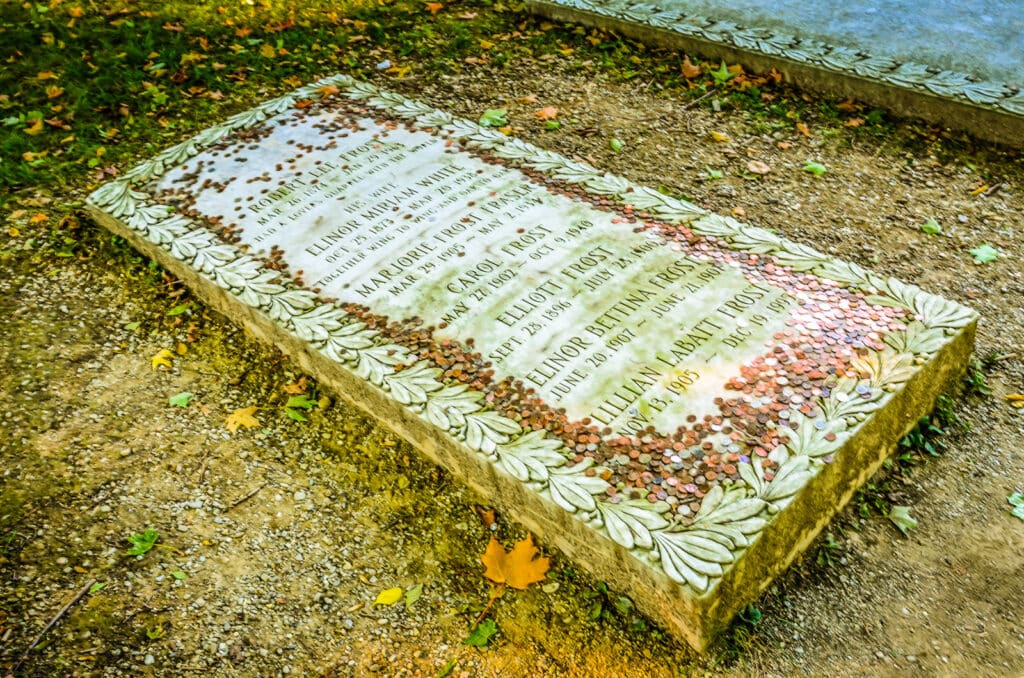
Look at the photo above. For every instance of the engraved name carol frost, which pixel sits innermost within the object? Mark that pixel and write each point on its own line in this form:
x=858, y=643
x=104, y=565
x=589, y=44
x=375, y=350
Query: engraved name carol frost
x=675, y=399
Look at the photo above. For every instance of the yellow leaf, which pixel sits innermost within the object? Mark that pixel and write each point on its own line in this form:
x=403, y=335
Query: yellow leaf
x=1016, y=400
x=267, y=51
x=518, y=568
x=35, y=128
x=163, y=357
x=244, y=417
x=52, y=92
x=328, y=91
x=13, y=232
x=389, y=596
x=181, y=348
x=47, y=75
x=978, y=191
x=718, y=136
x=486, y=44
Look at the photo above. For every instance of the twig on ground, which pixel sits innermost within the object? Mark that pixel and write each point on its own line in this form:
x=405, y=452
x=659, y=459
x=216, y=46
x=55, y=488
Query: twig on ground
x=487, y=608
x=247, y=497
x=53, y=622
x=699, y=99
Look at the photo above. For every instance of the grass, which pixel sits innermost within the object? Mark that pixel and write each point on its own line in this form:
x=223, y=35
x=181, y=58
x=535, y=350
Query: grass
x=90, y=88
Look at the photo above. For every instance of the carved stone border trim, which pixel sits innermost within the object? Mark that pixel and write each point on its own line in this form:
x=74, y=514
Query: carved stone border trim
x=731, y=518
x=1000, y=100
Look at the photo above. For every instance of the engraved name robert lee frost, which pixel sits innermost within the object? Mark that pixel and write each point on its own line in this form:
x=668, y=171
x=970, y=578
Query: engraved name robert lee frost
x=667, y=379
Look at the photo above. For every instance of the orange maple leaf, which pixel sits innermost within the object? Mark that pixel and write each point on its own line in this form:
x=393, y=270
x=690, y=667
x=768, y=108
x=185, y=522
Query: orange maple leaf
x=689, y=70
x=546, y=113
x=433, y=7
x=518, y=568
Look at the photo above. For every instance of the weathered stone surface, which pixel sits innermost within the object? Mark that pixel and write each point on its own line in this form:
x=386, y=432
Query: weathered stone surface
x=959, y=64
x=677, y=400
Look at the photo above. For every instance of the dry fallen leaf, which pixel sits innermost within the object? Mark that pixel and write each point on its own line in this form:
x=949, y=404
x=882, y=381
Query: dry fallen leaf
x=433, y=7
x=1016, y=400
x=803, y=129
x=389, y=596
x=244, y=417
x=758, y=167
x=296, y=388
x=718, y=136
x=689, y=70
x=488, y=517
x=546, y=113
x=163, y=357
x=854, y=122
x=267, y=51
x=328, y=91
x=528, y=99
x=518, y=568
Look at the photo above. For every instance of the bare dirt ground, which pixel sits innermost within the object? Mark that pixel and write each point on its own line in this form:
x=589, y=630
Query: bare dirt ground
x=275, y=541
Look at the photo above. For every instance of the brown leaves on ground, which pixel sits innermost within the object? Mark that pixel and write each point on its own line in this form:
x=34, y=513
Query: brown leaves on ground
x=244, y=417
x=517, y=568
x=689, y=69
x=546, y=113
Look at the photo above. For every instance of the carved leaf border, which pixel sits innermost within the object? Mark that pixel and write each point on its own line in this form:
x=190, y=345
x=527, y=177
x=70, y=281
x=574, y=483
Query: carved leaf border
x=732, y=517
x=909, y=75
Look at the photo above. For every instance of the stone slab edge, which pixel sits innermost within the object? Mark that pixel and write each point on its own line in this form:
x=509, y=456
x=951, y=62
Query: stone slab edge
x=692, y=579
x=987, y=109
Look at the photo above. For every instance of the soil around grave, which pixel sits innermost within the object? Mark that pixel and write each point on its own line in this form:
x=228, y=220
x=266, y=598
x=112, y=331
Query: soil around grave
x=283, y=582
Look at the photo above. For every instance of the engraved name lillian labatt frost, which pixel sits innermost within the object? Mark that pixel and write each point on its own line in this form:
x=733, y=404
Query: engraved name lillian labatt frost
x=672, y=378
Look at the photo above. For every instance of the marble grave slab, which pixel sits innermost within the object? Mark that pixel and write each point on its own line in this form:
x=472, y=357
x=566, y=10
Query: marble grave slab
x=676, y=400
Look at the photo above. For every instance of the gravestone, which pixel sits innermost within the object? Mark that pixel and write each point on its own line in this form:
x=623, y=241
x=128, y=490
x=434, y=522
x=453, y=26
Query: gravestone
x=959, y=64
x=676, y=400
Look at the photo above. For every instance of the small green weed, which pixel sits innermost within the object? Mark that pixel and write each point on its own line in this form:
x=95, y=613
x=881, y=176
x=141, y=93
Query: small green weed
x=830, y=552
x=143, y=543
x=976, y=378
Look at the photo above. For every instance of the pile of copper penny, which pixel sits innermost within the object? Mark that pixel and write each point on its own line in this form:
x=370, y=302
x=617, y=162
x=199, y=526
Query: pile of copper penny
x=827, y=329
